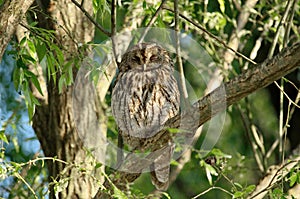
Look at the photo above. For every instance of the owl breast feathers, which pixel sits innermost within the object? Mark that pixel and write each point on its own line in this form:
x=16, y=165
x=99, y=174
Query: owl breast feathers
x=145, y=95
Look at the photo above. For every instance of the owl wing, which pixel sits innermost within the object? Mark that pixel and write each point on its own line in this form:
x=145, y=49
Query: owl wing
x=161, y=168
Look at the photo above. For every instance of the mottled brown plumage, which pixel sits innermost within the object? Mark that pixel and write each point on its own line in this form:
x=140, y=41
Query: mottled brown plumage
x=144, y=98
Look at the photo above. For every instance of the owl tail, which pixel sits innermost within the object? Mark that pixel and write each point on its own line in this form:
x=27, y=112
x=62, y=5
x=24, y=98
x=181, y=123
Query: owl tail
x=160, y=169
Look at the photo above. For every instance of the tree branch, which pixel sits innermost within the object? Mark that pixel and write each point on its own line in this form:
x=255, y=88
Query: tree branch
x=86, y=13
x=212, y=36
x=152, y=20
x=276, y=174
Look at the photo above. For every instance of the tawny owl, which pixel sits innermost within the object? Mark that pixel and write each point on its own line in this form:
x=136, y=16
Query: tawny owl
x=145, y=96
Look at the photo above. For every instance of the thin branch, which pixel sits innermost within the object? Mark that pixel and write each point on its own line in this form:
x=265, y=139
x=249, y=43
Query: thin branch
x=82, y=2
x=17, y=175
x=281, y=23
x=286, y=95
x=211, y=188
x=275, y=175
x=280, y=131
x=91, y=18
x=291, y=112
x=154, y=17
x=234, y=39
x=178, y=53
x=247, y=124
x=213, y=36
x=113, y=25
x=289, y=24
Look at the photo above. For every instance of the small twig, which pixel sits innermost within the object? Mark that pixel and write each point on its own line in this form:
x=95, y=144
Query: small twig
x=211, y=188
x=281, y=23
x=17, y=175
x=178, y=57
x=246, y=123
x=289, y=24
x=272, y=148
x=274, y=176
x=82, y=2
x=280, y=131
x=286, y=95
x=213, y=36
x=154, y=17
x=291, y=112
x=42, y=159
x=113, y=26
x=91, y=18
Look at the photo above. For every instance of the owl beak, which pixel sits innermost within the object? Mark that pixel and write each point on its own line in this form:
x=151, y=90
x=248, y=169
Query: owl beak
x=144, y=67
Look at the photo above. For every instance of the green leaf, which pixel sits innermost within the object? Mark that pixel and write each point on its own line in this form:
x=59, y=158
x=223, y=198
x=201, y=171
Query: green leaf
x=293, y=179
x=34, y=100
x=59, y=54
x=98, y=165
x=174, y=130
x=34, y=23
x=41, y=50
x=28, y=73
x=209, y=172
x=69, y=72
x=119, y=194
x=208, y=175
x=28, y=58
x=211, y=169
x=250, y=188
x=277, y=192
x=3, y=137
x=222, y=5
x=238, y=185
x=29, y=99
x=31, y=47
x=238, y=194
x=21, y=64
x=36, y=83
x=51, y=68
x=218, y=153
x=17, y=77
x=166, y=195
x=61, y=83
x=23, y=41
x=144, y=4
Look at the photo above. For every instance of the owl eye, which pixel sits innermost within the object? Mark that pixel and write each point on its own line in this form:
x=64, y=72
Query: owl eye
x=154, y=58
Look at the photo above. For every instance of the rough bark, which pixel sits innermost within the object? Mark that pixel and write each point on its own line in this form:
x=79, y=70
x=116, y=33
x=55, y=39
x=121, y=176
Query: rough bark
x=53, y=121
x=11, y=13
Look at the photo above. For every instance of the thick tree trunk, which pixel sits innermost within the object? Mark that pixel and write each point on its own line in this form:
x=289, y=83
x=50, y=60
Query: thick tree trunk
x=54, y=122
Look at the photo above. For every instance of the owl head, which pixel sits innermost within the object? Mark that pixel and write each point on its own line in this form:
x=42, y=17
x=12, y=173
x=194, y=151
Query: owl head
x=144, y=57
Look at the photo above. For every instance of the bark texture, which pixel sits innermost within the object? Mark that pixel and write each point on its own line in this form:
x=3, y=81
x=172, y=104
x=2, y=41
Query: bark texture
x=11, y=14
x=53, y=121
